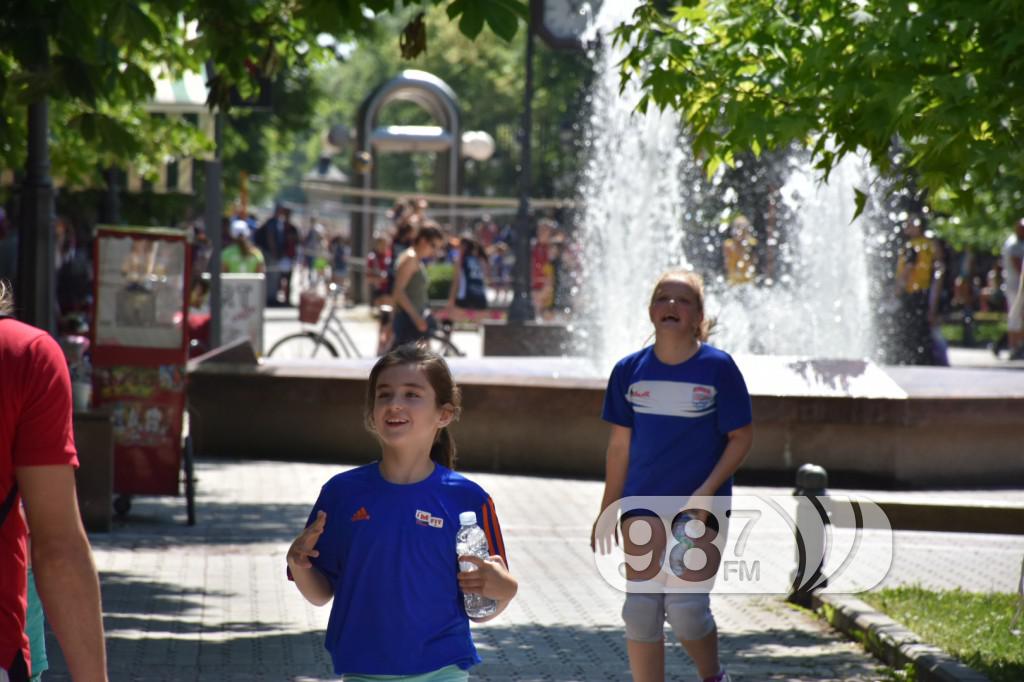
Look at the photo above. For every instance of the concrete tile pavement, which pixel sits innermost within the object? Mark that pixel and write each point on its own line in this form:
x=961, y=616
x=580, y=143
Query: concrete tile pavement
x=211, y=602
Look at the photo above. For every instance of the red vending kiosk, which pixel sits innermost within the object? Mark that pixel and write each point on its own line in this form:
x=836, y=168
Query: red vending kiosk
x=140, y=350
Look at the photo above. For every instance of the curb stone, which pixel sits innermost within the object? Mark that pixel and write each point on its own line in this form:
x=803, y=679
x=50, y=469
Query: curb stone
x=891, y=642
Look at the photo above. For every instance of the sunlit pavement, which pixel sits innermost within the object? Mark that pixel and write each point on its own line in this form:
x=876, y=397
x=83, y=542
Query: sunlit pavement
x=211, y=602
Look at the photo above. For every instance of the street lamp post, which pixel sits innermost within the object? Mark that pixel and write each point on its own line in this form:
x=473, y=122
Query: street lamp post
x=521, y=309
x=36, y=287
x=212, y=218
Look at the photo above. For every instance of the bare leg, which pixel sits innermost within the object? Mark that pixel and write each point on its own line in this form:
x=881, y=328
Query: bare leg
x=646, y=661
x=704, y=653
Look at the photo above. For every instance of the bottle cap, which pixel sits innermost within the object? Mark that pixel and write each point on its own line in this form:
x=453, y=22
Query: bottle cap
x=467, y=518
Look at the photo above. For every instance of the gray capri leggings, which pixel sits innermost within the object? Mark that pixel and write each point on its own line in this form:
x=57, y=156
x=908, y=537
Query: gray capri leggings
x=689, y=614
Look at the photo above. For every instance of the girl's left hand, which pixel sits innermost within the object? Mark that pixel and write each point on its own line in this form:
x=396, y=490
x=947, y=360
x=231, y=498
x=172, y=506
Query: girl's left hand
x=491, y=578
x=700, y=512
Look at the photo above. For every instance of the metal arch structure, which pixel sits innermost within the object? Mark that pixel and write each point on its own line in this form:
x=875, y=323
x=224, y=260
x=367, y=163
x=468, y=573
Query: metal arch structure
x=435, y=97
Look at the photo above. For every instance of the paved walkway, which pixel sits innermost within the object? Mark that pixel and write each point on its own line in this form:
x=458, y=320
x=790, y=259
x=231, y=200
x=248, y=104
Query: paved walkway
x=211, y=602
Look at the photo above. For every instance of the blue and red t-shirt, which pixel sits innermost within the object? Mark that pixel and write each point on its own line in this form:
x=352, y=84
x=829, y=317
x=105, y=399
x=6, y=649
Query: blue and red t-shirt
x=680, y=416
x=389, y=552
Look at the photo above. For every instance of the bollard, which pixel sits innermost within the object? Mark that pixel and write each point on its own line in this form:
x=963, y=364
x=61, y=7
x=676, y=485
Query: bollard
x=812, y=521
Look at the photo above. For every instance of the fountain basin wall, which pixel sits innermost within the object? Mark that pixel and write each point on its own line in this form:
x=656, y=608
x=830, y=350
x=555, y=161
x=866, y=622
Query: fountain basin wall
x=904, y=426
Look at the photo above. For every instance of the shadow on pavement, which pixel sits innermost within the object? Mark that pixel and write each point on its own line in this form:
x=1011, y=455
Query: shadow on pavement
x=158, y=523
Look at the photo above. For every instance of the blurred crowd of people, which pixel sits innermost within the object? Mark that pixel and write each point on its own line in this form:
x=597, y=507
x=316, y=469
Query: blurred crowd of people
x=931, y=283
x=481, y=260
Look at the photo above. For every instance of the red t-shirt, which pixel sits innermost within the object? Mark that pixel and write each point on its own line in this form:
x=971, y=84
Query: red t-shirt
x=35, y=430
x=538, y=259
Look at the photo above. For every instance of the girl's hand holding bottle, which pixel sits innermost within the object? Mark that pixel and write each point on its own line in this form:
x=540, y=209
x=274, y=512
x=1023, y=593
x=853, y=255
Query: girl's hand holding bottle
x=491, y=579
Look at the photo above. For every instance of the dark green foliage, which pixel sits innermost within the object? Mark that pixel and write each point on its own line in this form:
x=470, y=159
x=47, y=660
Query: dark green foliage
x=933, y=87
x=97, y=60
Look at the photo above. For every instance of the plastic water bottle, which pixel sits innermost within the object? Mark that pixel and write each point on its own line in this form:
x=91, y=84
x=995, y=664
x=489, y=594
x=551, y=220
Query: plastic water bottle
x=683, y=543
x=471, y=541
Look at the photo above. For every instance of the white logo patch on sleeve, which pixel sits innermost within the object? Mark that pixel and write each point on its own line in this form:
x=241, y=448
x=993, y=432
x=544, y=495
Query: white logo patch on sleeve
x=672, y=398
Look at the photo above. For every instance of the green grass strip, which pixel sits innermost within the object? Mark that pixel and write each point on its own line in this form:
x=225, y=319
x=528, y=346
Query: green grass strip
x=973, y=627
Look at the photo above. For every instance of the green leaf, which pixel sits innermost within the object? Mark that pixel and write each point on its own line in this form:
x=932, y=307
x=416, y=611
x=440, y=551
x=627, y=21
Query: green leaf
x=472, y=19
x=502, y=20
x=714, y=163
x=76, y=76
x=139, y=25
x=136, y=82
x=860, y=199
x=516, y=7
x=456, y=8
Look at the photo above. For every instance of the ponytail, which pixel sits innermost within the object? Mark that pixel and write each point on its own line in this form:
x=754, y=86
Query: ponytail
x=443, y=449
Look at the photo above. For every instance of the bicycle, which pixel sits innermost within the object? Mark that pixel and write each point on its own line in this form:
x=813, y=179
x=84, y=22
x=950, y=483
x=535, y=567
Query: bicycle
x=309, y=342
x=438, y=338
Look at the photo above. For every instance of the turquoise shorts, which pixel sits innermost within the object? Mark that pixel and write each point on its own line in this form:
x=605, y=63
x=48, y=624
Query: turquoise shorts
x=34, y=627
x=449, y=673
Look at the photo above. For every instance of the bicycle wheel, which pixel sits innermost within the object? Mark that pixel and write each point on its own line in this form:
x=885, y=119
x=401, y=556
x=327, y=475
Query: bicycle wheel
x=443, y=346
x=303, y=345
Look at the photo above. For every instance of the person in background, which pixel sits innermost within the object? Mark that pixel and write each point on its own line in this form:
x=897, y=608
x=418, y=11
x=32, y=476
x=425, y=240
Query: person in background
x=241, y=255
x=1013, y=255
x=412, y=313
x=37, y=463
x=469, y=276
x=919, y=277
x=542, y=280
x=314, y=245
x=738, y=252
x=278, y=239
x=340, y=252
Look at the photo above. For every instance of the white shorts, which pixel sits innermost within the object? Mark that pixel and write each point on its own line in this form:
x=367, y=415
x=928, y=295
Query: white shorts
x=1014, y=318
x=689, y=614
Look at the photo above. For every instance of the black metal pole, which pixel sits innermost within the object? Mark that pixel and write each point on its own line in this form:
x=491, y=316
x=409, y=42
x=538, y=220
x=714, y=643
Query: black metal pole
x=35, y=291
x=111, y=205
x=212, y=217
x=521, y=310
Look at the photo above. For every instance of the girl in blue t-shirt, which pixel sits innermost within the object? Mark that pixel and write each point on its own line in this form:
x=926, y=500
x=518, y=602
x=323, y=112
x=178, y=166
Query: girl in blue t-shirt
x=681, y=426
x=380, y=540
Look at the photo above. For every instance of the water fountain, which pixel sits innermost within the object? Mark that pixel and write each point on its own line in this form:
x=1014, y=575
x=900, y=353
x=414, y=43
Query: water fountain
x=634, y=225
x=817, y=397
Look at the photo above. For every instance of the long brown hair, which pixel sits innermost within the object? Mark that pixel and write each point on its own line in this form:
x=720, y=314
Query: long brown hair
x=446, y=392
x=696, y=283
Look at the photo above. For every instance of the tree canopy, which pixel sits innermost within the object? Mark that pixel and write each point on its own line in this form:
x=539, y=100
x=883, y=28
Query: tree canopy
x=487, y=77
x=931, y=90
x=97, y=60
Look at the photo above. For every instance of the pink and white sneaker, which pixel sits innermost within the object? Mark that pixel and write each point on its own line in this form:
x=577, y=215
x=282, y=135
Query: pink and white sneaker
x=720, y=677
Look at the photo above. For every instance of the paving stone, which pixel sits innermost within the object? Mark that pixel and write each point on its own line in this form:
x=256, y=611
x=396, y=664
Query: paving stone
x=211, y=602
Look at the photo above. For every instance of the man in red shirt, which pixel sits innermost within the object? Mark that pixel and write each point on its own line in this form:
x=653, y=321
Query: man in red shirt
x=37, y=461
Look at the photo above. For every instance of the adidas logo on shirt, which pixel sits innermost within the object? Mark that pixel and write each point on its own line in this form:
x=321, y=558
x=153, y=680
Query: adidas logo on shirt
x=361, y=515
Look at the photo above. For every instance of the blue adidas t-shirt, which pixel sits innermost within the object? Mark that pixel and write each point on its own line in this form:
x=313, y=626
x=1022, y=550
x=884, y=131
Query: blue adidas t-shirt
x=389, y=551
x=680, y=416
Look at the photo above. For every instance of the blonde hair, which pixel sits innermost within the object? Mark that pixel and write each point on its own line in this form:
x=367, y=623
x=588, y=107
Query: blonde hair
x=696, y=283
x=6, y=298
